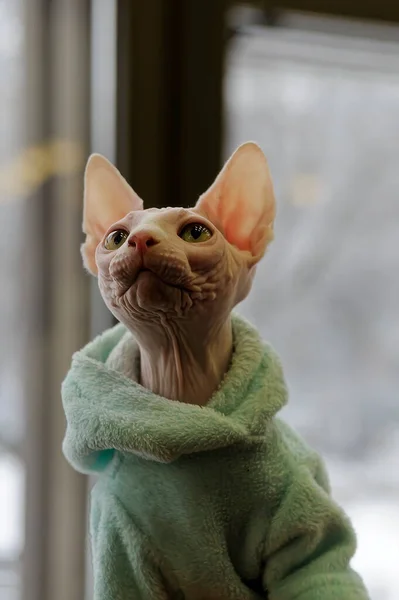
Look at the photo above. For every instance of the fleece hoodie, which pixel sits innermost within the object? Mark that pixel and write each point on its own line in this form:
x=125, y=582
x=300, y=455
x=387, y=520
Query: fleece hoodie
x=220, y=502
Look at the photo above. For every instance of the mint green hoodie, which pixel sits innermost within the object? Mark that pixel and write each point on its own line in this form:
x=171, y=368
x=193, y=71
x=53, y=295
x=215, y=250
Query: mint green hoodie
x=222, y=502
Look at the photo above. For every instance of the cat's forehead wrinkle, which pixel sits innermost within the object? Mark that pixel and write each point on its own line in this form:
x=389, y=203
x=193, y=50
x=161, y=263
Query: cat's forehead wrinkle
x=157, y=216
x=172, y=213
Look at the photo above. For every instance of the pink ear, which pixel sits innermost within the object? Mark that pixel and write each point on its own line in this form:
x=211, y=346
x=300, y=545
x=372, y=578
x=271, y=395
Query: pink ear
x=241, y=201
x=107, y=199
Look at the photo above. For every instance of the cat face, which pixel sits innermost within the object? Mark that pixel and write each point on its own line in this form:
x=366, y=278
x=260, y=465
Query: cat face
x=176, y=262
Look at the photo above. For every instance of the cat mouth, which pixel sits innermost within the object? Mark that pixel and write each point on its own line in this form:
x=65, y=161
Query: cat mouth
x=183, y=287
x=159, y=276
x=145, y=272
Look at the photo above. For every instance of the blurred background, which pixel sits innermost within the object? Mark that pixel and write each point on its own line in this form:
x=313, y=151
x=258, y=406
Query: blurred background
x=167, y=89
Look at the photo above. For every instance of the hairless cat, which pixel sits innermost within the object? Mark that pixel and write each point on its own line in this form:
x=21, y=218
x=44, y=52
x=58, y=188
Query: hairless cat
x=203, y=492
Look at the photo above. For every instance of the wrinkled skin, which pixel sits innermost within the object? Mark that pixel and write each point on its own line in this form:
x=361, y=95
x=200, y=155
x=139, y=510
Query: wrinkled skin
x=176, y=296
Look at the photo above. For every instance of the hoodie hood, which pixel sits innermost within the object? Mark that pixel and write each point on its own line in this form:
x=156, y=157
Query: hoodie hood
x=108, y=411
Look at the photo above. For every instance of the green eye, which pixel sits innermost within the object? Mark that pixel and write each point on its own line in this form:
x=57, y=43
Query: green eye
x=195, y=232
x=116, y=239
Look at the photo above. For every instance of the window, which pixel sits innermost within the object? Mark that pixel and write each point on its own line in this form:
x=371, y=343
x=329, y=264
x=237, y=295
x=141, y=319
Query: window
x=43, y=302
x=12, y=416
x=325, y=109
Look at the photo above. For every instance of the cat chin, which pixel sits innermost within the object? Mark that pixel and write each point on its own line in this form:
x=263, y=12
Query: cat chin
x=150, y=280
x=152, y=293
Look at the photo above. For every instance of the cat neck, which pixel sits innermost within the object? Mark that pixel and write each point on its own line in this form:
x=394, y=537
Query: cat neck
x=184, y=361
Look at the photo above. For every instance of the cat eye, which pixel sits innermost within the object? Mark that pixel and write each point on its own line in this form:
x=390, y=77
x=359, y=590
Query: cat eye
x=115, y=239
x=195, y=232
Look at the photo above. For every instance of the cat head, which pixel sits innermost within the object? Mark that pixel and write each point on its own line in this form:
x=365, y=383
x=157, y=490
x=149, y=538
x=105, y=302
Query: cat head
x=178, y=262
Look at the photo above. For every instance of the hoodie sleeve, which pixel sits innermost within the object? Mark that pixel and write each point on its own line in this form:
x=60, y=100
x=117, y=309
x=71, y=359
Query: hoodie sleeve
x=311, y=541
x=123, y=562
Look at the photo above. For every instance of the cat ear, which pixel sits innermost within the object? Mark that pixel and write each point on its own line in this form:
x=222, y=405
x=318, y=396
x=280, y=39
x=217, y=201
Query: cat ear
x=241, y=201
x=107, y=199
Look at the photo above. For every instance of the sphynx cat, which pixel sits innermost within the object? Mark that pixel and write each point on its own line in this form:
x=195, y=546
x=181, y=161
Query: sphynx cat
x=175, y=274
x=203, y=492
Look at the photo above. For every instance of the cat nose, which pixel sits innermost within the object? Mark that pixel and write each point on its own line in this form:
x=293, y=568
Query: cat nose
x=142, y=240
